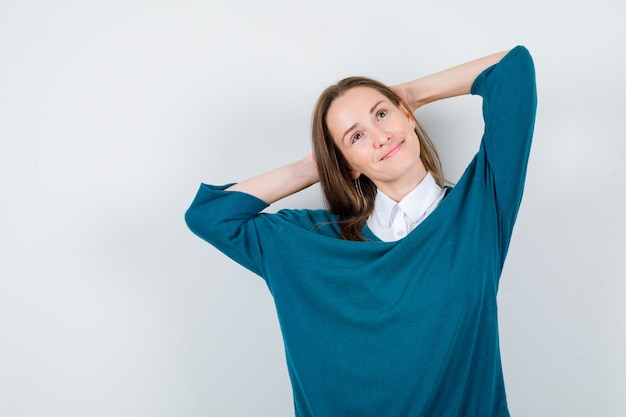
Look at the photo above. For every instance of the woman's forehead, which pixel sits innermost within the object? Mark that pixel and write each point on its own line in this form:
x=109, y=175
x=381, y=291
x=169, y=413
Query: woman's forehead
x=360, y=95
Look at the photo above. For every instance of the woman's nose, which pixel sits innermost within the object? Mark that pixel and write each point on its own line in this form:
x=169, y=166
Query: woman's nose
x=380, y=137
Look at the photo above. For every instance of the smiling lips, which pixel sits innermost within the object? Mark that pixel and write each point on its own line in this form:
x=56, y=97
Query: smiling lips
x=394, y=150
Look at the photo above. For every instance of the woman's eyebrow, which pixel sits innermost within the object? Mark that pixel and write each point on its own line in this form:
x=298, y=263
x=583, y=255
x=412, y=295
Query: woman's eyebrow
x=375, y=105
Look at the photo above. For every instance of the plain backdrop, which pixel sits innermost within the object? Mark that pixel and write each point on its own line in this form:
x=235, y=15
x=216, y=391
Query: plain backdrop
x=113, y=112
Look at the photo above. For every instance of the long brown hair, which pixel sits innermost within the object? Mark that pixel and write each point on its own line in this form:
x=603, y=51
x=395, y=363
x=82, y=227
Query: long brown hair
x=353, y=200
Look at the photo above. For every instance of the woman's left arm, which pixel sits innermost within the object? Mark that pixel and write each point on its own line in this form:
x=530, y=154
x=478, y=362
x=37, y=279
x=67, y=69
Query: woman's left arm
x=451, y=82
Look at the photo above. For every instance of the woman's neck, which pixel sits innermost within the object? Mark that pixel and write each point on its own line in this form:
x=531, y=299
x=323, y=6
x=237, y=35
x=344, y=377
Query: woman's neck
x=399, y=188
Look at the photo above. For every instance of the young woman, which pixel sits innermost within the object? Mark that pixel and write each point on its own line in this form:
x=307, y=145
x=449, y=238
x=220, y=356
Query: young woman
x=387, y=299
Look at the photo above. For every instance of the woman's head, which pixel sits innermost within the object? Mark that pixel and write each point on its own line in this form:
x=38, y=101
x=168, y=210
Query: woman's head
x=364, y=138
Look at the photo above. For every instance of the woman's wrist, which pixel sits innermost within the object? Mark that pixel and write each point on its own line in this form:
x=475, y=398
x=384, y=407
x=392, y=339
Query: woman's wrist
x=306, y=168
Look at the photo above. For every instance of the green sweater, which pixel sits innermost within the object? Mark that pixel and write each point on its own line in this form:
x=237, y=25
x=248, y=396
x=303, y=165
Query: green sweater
x=406, y=328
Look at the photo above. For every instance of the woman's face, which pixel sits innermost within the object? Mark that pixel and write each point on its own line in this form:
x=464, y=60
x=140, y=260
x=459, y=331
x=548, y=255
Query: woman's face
x=377, y=139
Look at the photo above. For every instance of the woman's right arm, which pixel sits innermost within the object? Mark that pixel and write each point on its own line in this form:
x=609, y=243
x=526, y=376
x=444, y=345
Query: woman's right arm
x=452, y=82
x=280, y=182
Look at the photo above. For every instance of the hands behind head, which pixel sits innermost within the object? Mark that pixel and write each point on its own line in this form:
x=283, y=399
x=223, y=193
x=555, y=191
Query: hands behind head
x=404, y=92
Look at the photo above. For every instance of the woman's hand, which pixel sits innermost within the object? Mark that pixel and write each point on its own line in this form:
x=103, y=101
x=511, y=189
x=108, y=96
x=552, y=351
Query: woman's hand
x=403, y=91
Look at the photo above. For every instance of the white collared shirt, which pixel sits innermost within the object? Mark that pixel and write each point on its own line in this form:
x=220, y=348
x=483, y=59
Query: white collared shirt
x=391, y=221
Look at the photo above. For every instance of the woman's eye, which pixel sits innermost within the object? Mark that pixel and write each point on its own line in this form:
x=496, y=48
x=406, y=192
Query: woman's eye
x=356, y=137
x=381, y=114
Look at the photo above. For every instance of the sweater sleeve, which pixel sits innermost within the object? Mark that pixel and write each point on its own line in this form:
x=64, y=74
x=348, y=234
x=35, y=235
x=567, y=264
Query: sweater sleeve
x=227, y=220
x=509, y=105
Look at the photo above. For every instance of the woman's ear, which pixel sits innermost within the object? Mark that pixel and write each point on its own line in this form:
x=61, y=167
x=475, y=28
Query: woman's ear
x=354, y=173
x=412, y=121
x=407, y=112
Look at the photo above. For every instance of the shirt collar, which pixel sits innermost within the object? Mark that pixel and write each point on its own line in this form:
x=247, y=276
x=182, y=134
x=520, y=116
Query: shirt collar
x=414, y=204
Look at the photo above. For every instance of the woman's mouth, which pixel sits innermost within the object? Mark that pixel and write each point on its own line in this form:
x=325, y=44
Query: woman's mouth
x=393, y=150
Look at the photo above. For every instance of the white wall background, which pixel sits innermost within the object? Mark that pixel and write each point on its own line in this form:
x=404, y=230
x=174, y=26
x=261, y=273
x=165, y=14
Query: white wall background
x=113, y=112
